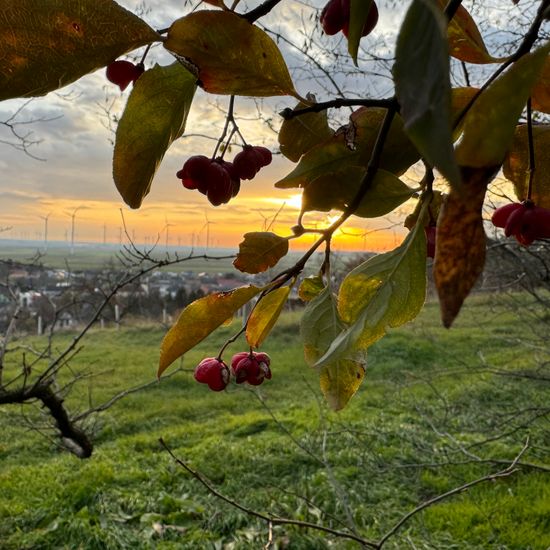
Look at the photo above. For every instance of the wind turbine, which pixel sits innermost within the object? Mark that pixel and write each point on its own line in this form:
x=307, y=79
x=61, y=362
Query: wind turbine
x=45, y=218
x=167, y=226
x=73, y=215
x=207, y=225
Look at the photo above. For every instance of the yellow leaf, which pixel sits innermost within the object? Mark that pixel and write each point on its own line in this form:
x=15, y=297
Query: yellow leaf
x=516, y=164
x=265, y=315
x=340, y=381
x=199, y=319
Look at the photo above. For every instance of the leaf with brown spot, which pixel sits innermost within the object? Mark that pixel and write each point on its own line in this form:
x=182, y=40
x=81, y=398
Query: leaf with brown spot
x=337, y=153
x=232, y=55
x=259, y=251
x=311, y=287
x=460, y=245
x=47, y=44
x=516, y=164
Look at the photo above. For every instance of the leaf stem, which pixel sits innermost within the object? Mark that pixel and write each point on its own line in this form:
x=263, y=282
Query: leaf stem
x=531, y=146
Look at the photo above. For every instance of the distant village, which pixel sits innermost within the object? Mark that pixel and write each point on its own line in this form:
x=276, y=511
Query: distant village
x=41, y=298
x=36, y=299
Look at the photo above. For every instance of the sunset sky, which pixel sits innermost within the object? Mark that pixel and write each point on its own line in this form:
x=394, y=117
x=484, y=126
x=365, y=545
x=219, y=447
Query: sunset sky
x=74, y=175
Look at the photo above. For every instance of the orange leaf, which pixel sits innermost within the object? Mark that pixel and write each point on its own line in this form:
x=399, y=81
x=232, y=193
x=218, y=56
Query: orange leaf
x=465, y=40
x=259, y=251
x=460, y=245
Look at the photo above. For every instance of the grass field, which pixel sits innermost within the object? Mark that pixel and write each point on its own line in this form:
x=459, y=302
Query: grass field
x=437, y=409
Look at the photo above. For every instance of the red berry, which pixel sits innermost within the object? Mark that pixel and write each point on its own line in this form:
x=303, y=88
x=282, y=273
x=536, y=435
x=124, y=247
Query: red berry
x=334, y=16
x=123, y=72
x=233, y=176
x=501, y=215
x=214, y=372
x=238, y=365
x=213, y=178
x=219, y=184
x=194, y=172
x=247, y=162
x=251, y=367
x=265, y=155
x=431, y=234
x=525, y=221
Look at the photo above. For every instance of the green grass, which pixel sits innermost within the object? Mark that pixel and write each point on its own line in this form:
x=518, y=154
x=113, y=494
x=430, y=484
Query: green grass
x=427, y=392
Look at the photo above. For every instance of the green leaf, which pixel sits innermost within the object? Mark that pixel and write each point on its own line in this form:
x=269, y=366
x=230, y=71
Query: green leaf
x=516, y=164
x=319, y=326
x=540, y=94
x=265, y=315
x=490, y=123
x=154, y=117
x=336, y=191
x=359, y=11
x=423, y=88
x=199, y=319
x=465, y=40
x=460, y=98
x=310, y=287
x=48, y=44
x=231, y=55
x=298, y=135
x=386, y=291
x=352, y=146
x=259, y=251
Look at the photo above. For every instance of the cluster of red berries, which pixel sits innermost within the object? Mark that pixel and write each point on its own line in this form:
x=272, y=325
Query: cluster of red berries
x=220, y=180
x=335, y=18
x=525, y=221
x=123, y=72
x=251, y=367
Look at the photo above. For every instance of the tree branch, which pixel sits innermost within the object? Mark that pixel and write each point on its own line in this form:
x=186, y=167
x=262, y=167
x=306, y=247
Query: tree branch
x=260, y=11
x=289, y=114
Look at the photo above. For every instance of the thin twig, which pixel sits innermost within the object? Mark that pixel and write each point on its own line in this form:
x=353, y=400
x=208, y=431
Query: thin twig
x=511, y=469
x=269, y=520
